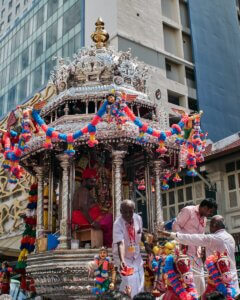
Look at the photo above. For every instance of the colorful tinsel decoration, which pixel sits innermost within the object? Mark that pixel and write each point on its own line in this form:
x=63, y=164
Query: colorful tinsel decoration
x=225, y=288
x=184, y=293
x=177, y=178
x=165, y=185
x=28, y=237
x=193, y=141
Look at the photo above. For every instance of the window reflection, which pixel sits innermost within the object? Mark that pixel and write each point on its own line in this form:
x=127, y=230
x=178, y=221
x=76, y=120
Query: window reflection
x=25, y=58
x=11, y=98
x=71, y=17
x=39, y=46
x=51, y=35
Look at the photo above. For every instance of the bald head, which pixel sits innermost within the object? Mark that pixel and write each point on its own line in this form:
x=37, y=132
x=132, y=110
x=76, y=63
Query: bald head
x=127, y=210
x=217, y=223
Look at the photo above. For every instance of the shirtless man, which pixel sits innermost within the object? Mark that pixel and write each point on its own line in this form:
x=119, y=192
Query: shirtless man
x=86, y=211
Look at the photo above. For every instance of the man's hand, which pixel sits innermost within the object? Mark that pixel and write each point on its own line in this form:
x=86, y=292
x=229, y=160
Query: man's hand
x=122, y=265
x=96, y=225
x=164, y=233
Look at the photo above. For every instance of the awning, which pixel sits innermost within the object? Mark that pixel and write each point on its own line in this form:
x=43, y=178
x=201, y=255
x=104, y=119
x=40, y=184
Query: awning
x=10, y=246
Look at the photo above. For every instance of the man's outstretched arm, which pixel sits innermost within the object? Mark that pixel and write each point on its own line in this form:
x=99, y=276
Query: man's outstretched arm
x=204, y=240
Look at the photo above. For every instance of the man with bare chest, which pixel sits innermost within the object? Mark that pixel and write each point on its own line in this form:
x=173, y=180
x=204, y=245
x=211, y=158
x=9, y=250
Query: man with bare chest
x=86, y=211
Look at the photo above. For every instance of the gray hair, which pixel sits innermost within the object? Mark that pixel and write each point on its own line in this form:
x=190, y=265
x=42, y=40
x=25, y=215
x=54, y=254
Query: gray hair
x=218, y=221
x=127, y=202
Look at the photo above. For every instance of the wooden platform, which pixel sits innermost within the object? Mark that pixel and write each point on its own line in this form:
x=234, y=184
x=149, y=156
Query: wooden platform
x=93, y=236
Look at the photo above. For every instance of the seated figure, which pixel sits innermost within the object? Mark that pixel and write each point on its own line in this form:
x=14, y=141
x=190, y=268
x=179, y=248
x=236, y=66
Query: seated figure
x=86, y=211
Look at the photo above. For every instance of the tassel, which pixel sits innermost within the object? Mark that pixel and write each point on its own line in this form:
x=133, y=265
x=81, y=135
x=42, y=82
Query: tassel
x=161, y=149
x=177, y=178
x=48, y=143
x=70, y=151
x=92, y=140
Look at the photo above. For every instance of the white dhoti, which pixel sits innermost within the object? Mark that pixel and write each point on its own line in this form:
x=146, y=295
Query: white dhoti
x=132, y=259
x=198, y=275
x=135, y=281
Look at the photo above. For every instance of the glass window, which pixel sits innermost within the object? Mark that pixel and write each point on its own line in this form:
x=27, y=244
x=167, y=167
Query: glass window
x=26, y=30
x=11, y=98
x=1, y=26
x=164, y=199
x=180, y=195
x=2, y=13
x=40, y=17
x=72, y=17
x=3, y=79
x=13, y=68
x=165, y=214
x=17, y=8
x=172, y=212
x=71, y=47
x=52, y=7
x=52, y=33
x=49, y=65
x=180, y=207
x=171, y=198
x=77, y=44
x=37, y=78
x=15, y=41
x=233, y=199
x=189, y=193
x=23, y=89
x=230, y=167
x=25, y=2
x=38, y=46
x=238, y=164
x=1, y=105
x=10, y=4
x=25, y=58
x=65, y=50
x=9, y=18
x=231, y=182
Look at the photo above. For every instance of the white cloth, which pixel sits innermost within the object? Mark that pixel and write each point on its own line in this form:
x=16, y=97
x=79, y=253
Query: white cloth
x=135, y=281
x=132, y=259
x=220, y=241
x=198, y=274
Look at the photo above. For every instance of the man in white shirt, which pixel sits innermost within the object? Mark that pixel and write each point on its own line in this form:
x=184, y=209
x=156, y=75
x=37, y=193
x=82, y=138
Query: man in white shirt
x=219, y=240
x=127, y=235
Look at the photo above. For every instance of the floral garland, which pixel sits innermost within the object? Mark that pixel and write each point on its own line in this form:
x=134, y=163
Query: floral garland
x=188, y=293
x=226, y=289
x=193, y=143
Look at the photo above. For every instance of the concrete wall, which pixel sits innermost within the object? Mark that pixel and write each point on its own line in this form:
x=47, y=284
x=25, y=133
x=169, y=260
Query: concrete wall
x=216, y=44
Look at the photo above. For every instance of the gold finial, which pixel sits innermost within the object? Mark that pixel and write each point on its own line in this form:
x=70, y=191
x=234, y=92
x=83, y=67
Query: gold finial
x=100, y=36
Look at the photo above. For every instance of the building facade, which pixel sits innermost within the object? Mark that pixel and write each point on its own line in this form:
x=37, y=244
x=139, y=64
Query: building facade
x=46, y=29
x=11, y=11
x=219, y=178
x=179, y=43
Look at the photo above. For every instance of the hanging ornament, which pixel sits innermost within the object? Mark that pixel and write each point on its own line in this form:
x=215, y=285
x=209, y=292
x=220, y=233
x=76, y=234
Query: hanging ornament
x=48, y=143
x=177, y=178
x=165, y=185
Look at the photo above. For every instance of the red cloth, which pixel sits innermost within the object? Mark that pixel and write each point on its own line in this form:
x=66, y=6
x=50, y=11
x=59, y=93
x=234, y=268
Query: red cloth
x=5, y=288
x=170, y=295
x=89, y=173
x=78, y=217
x=104, y=219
